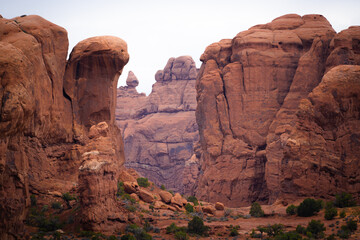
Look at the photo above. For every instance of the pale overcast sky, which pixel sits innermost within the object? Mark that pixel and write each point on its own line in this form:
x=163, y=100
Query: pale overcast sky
x=156, y=30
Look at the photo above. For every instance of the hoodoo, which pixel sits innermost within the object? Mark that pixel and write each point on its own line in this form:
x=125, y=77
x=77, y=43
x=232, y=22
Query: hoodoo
x=57, y=129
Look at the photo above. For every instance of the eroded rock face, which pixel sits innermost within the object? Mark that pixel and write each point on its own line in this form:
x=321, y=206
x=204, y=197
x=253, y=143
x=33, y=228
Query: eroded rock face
x=160, y=130
x=248, y=91
x=321, y=154
x=102, y=159
x=95, y=89
x=45, y=119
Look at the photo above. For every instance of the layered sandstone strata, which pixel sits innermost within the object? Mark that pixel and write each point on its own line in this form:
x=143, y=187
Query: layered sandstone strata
x=160, y=130
x=249, y=90
x=47, y=108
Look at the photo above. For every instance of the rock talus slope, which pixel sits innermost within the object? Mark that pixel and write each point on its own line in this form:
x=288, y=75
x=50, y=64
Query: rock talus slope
x=248, y=92
x=160, y=130
x=44, y=124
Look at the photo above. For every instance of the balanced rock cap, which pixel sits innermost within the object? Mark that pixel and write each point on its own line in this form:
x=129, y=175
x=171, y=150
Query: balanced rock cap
x=132, y=80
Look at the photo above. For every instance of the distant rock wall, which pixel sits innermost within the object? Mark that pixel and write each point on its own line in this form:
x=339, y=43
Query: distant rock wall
x=249, y=91
x=160, y=130
x=47, y=108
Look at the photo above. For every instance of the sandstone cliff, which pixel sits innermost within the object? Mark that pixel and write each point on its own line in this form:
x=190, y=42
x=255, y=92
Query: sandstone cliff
x=47, y=108
x=249, y=90
x=160, y=130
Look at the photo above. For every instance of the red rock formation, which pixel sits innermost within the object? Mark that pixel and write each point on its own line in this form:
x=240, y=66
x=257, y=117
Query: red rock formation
x=160, y=130
x=321, y=154
x=102, y=158
x=93, y=90
x=43, y=113
x=249, y=89
x=128, y=100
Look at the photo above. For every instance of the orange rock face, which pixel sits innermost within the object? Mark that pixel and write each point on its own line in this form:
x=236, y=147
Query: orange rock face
x=323, y=147
x=95, y=89
x=249, y=89
x=160, y=130
x=47, y=108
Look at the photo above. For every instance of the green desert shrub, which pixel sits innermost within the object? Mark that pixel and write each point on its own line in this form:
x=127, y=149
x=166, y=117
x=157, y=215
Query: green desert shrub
x=91, y=234
x=234, y=232
x=68, y=197
x=189, y=208
x=162, y=187
x=130, y=208
x=347, y=229
x=316, y=228
x=351, y=225
x=309, y=207
x=56, y=205
x=196, y=225
x=142, y=235
x=256, y=210
x=143, y=182
x=343, y=200
x=288, y=236
x=331, y=237
x=274, y=230
x=51, y=223
x=181, y=235
x=344, y=233
x=300, y=229
x=45, y=223
x=33, y=200
x=172, y=228
x=120, y=189
x=194, y=200
x=128, y=237
x=342, y=214
x=330, y=211
x=254, y=234
x=291, y=210
x=147, y=226
x=139, y=233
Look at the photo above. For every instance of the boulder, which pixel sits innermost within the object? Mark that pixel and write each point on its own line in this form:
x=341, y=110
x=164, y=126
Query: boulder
x=159, y=204
x=145, y=195
x=219, y=206
x=132, y=80
x=131, y=187
x=101, y=129
x=135, y=197
x=209, y=209
x=165, y=196
x=177, y=199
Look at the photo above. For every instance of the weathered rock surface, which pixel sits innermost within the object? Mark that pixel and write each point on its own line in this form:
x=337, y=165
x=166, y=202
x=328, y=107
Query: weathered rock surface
x=219, y=206
x=93, y=95
x=131, y=187
x=165, y=196
x=98, y=176
x=177, y=199
x=132, y=80
x=248, y=91
x=47, y=107
x=160, y=130
x=209, y=209
x=145, y=195
x=321, y=154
